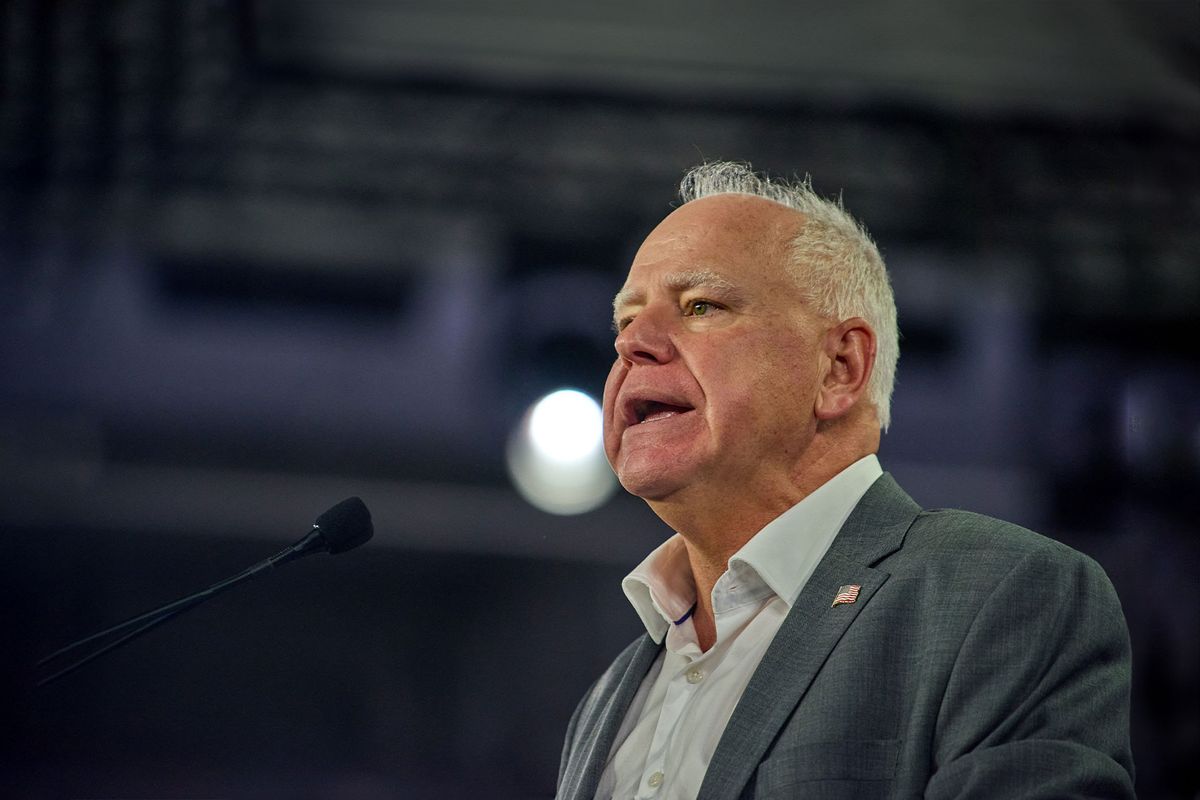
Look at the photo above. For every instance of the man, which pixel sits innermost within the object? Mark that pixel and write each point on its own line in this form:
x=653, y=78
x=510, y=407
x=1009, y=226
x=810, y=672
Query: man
x=811, y=631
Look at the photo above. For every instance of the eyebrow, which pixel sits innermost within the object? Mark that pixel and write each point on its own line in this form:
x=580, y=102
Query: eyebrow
x=679, y=282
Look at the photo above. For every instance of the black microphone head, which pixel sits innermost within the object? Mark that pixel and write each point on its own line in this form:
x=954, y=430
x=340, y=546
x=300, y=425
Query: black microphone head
x=346, y=525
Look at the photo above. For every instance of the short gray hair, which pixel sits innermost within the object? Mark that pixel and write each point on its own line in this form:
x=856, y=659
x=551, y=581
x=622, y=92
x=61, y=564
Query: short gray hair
x=834, y=260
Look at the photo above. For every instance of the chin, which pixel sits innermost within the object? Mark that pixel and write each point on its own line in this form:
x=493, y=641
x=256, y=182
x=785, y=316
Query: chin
x=649, y=484
x=658, y=473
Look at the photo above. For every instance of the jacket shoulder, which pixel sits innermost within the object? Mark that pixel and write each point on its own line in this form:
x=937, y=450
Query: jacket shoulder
x=951, y=543
x=952, y=530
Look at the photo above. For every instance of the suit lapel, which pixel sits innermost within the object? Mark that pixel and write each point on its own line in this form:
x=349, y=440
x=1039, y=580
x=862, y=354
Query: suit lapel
x=808, y=635
x=602, y=722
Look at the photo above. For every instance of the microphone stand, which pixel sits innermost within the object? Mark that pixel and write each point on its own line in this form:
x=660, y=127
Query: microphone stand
x=143, y=623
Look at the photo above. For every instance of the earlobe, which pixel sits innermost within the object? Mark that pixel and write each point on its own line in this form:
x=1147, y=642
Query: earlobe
x=850, y=348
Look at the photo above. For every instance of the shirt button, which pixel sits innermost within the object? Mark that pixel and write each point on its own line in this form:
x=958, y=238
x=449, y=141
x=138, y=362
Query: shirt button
x=695, y=675
x=655, y=780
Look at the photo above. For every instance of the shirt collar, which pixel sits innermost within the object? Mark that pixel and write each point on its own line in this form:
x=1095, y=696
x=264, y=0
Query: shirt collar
x=661, y=588
x=783, y=555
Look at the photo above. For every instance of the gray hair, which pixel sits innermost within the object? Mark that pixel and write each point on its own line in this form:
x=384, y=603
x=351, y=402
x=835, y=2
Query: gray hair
x=834, y=260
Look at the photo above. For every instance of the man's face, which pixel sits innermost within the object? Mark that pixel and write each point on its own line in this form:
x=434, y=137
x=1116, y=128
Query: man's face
x=717, y=356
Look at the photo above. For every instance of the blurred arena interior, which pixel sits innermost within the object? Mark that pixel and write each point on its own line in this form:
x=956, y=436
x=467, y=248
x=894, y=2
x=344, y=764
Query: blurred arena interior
x=258, y=256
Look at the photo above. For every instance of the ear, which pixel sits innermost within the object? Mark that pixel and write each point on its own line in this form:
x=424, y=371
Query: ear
x=850, y=350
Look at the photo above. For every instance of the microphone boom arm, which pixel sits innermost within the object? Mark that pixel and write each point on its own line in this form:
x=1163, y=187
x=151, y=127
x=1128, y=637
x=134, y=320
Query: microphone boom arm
x=348, y=523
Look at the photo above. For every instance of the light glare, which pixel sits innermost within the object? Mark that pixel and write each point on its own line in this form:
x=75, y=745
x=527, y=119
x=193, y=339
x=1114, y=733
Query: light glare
x=556, y=455
x=566, y=425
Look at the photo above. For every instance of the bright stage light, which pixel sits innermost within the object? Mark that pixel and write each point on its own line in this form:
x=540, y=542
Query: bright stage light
x=565, y=426
x=556, y=455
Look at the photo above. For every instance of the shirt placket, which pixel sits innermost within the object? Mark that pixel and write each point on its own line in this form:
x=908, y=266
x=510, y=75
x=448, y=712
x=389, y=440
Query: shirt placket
x=681, y=691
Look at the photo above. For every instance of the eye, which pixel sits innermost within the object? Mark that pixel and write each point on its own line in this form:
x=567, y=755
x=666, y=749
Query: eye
x=698, y=308
x=620, y=324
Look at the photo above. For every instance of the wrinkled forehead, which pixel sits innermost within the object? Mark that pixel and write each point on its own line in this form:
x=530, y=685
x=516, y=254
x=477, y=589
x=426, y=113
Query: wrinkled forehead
x=722, y=243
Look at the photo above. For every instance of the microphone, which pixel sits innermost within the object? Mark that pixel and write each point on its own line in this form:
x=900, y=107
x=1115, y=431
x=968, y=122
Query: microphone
x=342, y=527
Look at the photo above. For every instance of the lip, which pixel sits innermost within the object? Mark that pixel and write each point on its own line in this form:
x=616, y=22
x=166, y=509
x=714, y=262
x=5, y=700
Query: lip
x=635, y=407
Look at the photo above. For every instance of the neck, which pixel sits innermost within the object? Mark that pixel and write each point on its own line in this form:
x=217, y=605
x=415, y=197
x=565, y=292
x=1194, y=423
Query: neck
x=716, y=521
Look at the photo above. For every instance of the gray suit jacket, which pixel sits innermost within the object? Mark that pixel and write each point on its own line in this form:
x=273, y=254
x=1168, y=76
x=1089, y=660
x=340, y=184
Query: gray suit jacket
x=979, y=660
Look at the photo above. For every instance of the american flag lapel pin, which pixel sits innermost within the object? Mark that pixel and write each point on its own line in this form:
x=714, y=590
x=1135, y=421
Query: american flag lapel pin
x=846, y=594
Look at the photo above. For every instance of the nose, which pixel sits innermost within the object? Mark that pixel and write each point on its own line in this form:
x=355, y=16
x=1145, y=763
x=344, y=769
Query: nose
x=646, y=339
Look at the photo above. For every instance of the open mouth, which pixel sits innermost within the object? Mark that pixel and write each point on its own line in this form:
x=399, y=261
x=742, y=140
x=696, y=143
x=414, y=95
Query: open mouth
x=653, y=411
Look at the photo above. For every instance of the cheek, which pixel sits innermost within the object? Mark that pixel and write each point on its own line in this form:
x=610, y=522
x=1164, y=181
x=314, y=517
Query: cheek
x=764, y=385
x=612, y=385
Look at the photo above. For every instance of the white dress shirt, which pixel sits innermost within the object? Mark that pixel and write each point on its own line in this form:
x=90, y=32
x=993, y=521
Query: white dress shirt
x=672, y=728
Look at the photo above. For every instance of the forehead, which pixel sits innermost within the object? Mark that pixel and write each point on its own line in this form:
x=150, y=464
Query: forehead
x=723, y=242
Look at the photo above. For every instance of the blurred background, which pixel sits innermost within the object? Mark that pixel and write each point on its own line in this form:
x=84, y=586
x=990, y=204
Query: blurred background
x=256, y=256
